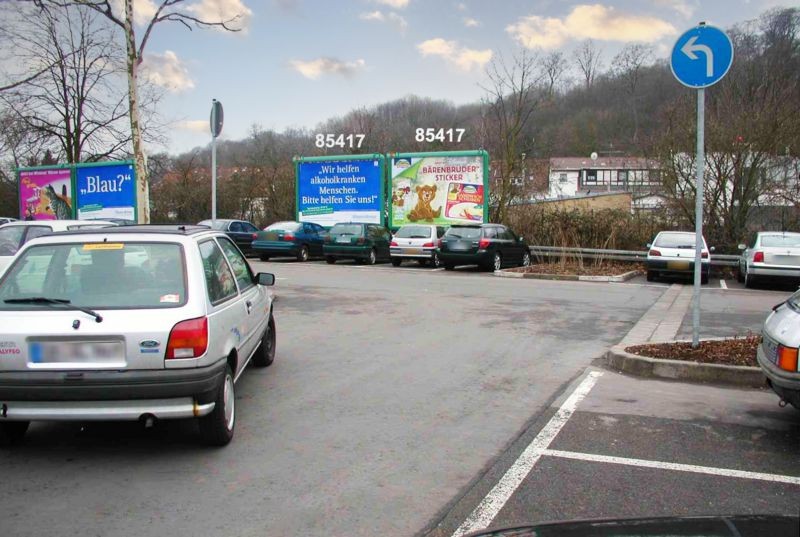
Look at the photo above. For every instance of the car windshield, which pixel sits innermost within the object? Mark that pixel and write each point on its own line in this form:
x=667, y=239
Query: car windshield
x=784, y=241
x=414, y=232
x=463, y=232
x=98, y=275
x=346, y=229
x=9, y=239
x=221, y=225
x=284, y=226
x=675, y=240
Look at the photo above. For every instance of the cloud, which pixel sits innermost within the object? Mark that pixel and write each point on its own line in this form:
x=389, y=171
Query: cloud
x=461, y=6
x=314, y=69
x=222, y=10
x=396, y=4
x=463, y=58
x=398, y=20
x=194, y=125
x=683, y=7
x=588, y=21
x=469, y=22
x=167, y=70
x=143, y=10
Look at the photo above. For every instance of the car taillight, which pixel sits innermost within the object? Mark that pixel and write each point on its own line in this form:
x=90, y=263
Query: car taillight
x=787, y=358
x=288, y=237
x=483, y=243
x=361, y=240
x=758, y=257
x=428, y=245
x=654, y=253
x=704, y=255
x=393, y=243
x=255, y=236
x=439, y=243
x=188, y=339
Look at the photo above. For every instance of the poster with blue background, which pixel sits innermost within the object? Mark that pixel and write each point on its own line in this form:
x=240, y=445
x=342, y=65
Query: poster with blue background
x=340, y=190
x=106, y=190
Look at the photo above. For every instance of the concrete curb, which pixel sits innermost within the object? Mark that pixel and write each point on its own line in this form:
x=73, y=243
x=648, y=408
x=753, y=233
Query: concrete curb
x=731, y=375
x=569, y=277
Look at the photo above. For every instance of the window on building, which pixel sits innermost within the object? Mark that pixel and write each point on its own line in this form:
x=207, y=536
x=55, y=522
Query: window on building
x=562, y=177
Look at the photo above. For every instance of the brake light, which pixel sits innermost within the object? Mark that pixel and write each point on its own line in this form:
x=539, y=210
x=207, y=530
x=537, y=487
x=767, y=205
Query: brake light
x=484, y=243
x=255, y=236
x=188, y=339
x=654, y=253
x=361, y=240
x=393, y=243
x=758, y=257
x=288, y=237
x=428, y=245
x=704, y=255
x=439, y=243
x=787, y=358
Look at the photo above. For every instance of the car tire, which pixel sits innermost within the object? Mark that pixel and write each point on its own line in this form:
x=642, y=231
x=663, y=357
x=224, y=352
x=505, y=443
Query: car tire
x=435, y=261
x=12, y=432
x=449, y=266
x=749, y=280
x=497, y=262
x=264, y=257
x=373, y=257
x=216, y=429
x=740, y=275
x=526, y=259
x=265, y=354
x=330, y=260
x=302, y=255
x=651, y=275
x=396, y=261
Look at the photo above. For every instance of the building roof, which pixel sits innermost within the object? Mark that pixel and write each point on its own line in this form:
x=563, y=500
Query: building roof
x=602, y=163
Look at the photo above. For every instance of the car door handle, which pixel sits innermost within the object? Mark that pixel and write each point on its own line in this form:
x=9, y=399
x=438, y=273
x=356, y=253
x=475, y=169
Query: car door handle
x=249, y=306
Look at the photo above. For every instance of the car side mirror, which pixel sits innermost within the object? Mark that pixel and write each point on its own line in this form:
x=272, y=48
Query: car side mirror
x=742, y=247
x=521, y=238
x=649, y=245
x=265, y=278
x=713, y=248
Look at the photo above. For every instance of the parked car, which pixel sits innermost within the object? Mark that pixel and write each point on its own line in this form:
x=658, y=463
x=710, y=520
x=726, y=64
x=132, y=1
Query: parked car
x=5, y=220
x=672, y=252
x=770, y=255
x=243, y=233
x=297, y=239
x=366, y=243
x=491, y=246
x=416, y=241
x=777, y=353
x=131, y=323
x=17, y=233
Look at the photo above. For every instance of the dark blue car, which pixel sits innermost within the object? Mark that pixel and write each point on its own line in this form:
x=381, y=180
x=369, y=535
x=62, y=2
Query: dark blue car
x=297, y=239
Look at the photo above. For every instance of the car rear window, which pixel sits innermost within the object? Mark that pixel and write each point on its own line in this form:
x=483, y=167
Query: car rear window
x=10, y=237
x=284, y=226
x=414, y=232
x=99, y=275
x=347, y=229
x=785, y=241
x=675, y=240
x=459, y=232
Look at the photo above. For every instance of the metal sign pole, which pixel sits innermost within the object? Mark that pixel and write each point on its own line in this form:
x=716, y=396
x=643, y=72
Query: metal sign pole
x=698, y=216
x=214, y=181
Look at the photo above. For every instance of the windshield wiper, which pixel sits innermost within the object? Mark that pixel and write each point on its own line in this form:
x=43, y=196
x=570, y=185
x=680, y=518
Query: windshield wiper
x=55, y=302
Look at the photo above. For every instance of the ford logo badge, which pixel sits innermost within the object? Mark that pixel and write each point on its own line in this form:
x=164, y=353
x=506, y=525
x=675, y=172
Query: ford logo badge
x=149, y=344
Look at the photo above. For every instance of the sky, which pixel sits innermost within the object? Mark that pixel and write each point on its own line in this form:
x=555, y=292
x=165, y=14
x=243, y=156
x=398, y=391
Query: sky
x=296, y=63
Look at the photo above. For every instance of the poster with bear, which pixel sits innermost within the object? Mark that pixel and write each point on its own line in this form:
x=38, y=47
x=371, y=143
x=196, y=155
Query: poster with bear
x=438, y=188
x=45, y=194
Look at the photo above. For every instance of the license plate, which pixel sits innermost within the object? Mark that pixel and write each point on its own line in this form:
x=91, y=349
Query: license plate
x=270, y=236
x=343, y=240
x=412, y=251
x=678, y=265
x=770, y=350
x=68, y=352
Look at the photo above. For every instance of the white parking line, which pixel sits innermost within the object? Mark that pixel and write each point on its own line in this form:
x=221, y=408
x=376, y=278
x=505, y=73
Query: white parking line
x=709, y=470
x=484, y=513
x=723, y=284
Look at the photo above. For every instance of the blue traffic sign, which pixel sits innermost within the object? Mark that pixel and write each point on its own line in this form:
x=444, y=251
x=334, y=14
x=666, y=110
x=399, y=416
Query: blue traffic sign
x=701, y=57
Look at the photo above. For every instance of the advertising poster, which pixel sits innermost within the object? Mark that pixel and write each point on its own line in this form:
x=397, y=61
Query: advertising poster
x=438, y=188
x=106, y=190
x=340, y=190
x=45, y=194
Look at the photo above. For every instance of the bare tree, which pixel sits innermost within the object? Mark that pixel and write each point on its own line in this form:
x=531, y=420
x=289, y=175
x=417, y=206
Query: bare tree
x=627, y=66
x=166, y=11
x=589, y=58
x=554, y=65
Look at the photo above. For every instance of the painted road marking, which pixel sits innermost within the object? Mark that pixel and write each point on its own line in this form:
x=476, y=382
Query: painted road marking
x=487, y=510
x=659, y=465
x=723, y=284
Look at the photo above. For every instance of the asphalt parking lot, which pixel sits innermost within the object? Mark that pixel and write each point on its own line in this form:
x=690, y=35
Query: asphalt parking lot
x=399, y=398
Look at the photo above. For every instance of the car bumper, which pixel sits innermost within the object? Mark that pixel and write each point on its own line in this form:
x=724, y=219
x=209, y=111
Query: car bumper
x=163, y=409
x=774, y=271
x=413, y=253
x=675, y=266
x=471, y=258
x=784, y=383
x=275, y=248
x=346, y=251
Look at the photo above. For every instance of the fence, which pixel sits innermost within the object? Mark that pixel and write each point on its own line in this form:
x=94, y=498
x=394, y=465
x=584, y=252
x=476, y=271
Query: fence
x=618, y=255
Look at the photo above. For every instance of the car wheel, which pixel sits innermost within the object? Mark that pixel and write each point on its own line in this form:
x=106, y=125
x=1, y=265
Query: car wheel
x=497, y=262
x=749, y=280
x=435, y=261
x=264, y=257
x=302, y=255
x=740, y=275
x=372, y=257
x=526, y=259
x=12, y=432
x=396, y=261
x=449, y=266
x=330, y=260
x=216, y=428
x=651, y=275
x=265, y=354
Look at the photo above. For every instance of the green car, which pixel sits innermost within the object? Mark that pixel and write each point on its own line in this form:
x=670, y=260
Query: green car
x=366, y=243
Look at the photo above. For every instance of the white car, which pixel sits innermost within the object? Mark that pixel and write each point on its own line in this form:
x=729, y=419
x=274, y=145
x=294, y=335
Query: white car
x=777, y=353
x=130, y=323
x=672, y=252
x=417, y=242
x=14, y=234
x=771, y=255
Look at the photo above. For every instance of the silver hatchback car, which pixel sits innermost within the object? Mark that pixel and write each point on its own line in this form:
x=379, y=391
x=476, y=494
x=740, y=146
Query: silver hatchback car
x=778, y=352
x=130, y=323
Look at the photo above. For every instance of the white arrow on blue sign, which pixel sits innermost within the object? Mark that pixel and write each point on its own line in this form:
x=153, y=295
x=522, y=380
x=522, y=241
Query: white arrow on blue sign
x=701, y=57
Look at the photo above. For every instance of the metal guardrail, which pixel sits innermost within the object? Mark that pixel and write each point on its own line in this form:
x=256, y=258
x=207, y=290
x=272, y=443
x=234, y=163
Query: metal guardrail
x=618, y=255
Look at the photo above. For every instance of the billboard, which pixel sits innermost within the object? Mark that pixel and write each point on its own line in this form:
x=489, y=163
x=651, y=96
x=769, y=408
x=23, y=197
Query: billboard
x=337, y=189
x=105, y=190
x=45, y=194
x=439, y=188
